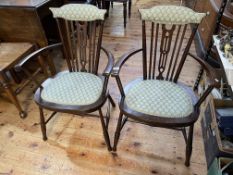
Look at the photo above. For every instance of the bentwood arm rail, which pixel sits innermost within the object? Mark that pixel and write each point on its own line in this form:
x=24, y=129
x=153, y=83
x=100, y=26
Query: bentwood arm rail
x=213, y=80
x=119, y=64
x=20, y=65
x=122, y=60
x=109, y=66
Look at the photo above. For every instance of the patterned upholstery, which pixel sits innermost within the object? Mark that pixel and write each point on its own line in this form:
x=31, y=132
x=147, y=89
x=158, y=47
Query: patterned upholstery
x=79, y=12
x=76, y=88
x=159, y=98
x=171, y=15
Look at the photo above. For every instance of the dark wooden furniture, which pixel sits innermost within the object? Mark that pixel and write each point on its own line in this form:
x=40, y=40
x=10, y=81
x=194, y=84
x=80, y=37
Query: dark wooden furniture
x=81, y=89
x=106, y=5
x=219, y=17
x=10, y=55
x=28, y=21
x=157, y=99
x=207, y=27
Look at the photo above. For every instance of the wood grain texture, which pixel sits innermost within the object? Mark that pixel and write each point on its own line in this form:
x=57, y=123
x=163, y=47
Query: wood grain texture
x=11, y=53
x=76, y=144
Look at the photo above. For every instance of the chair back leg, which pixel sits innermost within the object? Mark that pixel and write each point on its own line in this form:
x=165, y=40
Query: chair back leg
x=105, y=132
x=118, y=131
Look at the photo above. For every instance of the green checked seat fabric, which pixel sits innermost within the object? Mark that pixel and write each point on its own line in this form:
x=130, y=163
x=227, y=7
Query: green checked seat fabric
x=171, y=14
x=159, y=98
x=80, y=12
x=73, y=88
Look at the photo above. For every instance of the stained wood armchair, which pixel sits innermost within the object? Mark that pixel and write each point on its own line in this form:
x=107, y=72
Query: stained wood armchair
x=158, y=99
x=81, y=89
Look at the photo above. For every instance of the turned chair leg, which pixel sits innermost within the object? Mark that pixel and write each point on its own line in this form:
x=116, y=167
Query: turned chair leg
x=42, y=124
x=118, y=131
x=125, y=13
x=189, y=146
x=130, y=3
x=105, y=132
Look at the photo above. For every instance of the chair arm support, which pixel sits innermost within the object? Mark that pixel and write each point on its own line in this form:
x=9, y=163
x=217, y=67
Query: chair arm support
x=38, y=52
x=109, y=66
x=214, y=81
x=122, y=60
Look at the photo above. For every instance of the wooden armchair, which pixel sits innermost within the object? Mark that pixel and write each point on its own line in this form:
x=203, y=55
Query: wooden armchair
x=157, y=99
x=81, y=89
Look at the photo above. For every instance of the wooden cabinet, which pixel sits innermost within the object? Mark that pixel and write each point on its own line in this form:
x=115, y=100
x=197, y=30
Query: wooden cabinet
x=27, y=21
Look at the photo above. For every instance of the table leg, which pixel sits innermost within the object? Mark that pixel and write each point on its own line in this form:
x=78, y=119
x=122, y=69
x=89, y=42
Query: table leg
x=125, y=12
x=11, y=94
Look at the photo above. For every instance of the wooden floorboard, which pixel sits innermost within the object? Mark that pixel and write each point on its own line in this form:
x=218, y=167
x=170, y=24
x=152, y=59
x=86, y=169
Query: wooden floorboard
x=75, y=143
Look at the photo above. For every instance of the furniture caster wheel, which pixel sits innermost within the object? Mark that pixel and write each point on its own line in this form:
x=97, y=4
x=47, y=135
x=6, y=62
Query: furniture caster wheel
x=23, y=114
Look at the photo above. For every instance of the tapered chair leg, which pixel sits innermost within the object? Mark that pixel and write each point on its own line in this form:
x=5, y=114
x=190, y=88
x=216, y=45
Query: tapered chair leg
x=105, y=132
x=42, y=124
x=118, y=131
x=125, y=13
x=130, y=3
x=189, y=146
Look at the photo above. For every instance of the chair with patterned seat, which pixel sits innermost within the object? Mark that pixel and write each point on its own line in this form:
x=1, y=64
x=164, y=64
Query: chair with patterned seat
x=158, y=99
x=83, y=88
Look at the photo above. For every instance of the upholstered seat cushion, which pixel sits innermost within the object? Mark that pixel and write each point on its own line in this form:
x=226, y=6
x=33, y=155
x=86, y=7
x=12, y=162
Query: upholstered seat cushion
x=76, y=88
x=159, y=98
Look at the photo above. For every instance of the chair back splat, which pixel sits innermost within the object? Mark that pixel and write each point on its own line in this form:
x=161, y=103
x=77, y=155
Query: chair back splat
x=81, y=36
x=163, y=56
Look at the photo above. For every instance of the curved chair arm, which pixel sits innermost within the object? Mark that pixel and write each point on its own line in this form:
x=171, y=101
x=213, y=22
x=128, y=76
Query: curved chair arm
x=19, y=66
x=122, y=60
x=109, y=66
x=210, y=71
x=117, y=68
x=214, y=82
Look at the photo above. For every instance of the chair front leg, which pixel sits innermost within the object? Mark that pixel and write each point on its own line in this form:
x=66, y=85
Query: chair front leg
x=105, y=131
x=118, y=131
x=42, y=124
x=189, y=146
